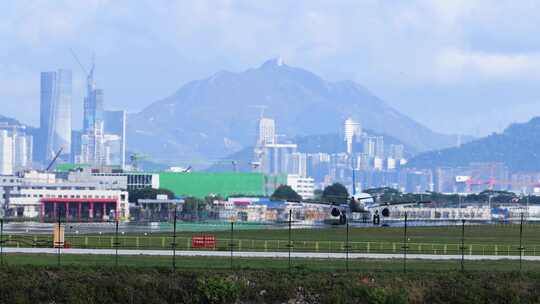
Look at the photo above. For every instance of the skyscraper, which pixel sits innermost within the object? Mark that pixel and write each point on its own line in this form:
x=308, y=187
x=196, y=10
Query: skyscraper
x=93, y=149
x=93, y=102
x=115, y=129
x=55, y=116
x=369, y=146
x=6, y=153
x=379, y=147
x=353, y=130
x=267, y=131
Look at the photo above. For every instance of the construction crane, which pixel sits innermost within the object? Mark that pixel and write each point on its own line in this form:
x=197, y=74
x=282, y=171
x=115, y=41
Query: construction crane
x=261, y=109
x=135, y=158
x=78, y=61
x=54, y=160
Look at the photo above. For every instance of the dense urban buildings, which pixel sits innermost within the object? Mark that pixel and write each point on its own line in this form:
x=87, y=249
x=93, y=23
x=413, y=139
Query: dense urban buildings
x=102, y=140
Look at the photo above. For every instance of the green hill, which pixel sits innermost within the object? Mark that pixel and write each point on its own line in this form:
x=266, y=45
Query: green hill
x=518, y=146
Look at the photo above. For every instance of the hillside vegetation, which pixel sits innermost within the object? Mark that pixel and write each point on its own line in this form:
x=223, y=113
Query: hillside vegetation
x=31, y=284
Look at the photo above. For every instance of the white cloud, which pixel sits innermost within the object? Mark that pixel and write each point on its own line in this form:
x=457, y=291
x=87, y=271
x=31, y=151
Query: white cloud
x=386, y=45
x=460, y=65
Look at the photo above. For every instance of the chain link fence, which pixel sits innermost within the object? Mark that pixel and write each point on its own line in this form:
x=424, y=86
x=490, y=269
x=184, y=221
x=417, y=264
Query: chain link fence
x=402, y=246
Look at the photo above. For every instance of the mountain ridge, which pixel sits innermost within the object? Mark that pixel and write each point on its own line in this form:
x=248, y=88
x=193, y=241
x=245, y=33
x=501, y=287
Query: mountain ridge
x=516, y=147
x=215, y=116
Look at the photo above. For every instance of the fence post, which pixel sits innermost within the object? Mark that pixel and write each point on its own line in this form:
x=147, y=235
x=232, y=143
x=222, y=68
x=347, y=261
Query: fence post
x=462, y=245
x=174, y=238
x=116, y=243
x=1, y=242
x=347, y=246
x=59, y=234
x=290, y=234
x=405, y=246
x=231, y=243
x=521, y=248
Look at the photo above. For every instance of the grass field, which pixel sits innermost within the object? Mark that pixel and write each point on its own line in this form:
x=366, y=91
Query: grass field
x=479, y=239
x=217, y=263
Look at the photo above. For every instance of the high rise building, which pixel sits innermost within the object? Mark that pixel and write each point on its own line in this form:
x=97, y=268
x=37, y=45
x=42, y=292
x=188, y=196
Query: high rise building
x=103, y=138
x=6, y=153
x=369, y=146
x=298, y=164
x=267, y=131
x=353, y=131
x=115, y=130
x=55, y=116
x=276, y=158
x=93, y=102
x=397, y=152
x=21, y=155
x=93, y=109
x=379, y=147
x=22, y=151
x=93, y=146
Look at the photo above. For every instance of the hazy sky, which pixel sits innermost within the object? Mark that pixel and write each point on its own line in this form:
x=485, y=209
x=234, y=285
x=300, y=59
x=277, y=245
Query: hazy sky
x=455, y=65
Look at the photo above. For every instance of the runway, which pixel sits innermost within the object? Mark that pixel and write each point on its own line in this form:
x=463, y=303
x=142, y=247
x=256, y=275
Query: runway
x=258, y=254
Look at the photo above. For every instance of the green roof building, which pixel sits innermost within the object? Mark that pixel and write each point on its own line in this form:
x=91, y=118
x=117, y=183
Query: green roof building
x=201, y=184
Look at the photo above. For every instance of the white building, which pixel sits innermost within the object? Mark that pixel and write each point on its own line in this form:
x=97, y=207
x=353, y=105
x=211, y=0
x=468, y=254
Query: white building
x=276, y=158
x=28, y=202
x=379, y=146
x=267, y=131
x=298, y=164
x=369, y=146
x=304, y=186
x=6, y=153
x=378, y=163
x=36, y=194
x=353, y=130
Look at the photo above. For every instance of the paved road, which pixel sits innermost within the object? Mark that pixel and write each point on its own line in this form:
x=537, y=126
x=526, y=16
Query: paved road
x=254, y=254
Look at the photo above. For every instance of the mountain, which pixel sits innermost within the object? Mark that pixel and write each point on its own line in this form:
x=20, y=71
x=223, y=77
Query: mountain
x=216, y=116
x=9, y=121
x=518, y=146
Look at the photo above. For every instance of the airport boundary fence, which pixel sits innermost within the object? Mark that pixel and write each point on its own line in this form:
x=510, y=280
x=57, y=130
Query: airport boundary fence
x=403, y=246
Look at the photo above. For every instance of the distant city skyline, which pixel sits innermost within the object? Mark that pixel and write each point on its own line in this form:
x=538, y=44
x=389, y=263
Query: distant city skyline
x=455, y=66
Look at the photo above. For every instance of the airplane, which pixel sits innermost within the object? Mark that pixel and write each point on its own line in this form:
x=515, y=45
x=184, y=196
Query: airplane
x=365, y=205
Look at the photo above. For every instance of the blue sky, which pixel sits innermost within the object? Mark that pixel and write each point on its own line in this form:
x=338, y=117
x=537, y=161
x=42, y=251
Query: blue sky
x=456, y=66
